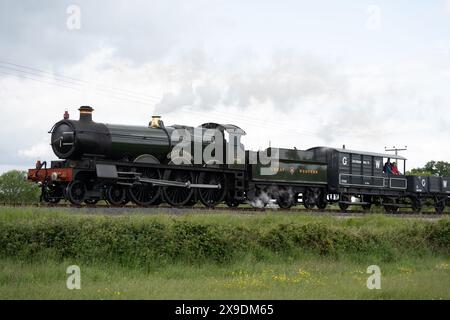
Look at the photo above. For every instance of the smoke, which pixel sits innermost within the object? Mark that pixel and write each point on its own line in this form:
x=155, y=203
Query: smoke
x=267, y=198
x=287, y=82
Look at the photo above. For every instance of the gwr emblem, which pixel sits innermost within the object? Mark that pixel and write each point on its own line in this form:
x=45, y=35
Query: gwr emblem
x=292, y=170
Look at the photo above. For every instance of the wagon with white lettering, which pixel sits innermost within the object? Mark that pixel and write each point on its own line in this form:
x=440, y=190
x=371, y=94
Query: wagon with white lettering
x=359, y=178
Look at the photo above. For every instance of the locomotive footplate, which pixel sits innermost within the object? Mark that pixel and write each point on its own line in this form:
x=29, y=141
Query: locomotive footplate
x=110, y=172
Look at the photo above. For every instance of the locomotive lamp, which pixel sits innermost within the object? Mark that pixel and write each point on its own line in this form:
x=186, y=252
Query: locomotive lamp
x=55, y=176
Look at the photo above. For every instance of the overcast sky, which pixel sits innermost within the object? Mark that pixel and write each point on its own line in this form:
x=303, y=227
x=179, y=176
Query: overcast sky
x=367, y=74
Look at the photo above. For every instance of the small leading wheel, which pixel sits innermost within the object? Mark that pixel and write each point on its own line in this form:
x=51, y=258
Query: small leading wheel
x=178, y=196
x=212, y=197
x=115, y=195
x=51, y=193
x=145, y=194
x=76, y=192
x=52, y=200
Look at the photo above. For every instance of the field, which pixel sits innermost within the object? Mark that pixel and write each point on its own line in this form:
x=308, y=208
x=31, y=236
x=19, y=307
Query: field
x=218, y=255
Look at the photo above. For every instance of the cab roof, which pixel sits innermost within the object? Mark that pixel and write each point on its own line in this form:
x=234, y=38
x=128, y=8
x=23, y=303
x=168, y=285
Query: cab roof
x=365, y=153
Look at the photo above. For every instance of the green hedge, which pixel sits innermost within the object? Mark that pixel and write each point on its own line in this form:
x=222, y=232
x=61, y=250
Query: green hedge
x=156, y=240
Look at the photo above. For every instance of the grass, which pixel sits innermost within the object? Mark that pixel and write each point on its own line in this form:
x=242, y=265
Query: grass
x=307, y=278
x=217, y=255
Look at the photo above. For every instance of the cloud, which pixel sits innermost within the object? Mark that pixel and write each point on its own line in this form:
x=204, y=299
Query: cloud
x=290, y=99
x=41, y=150
x=287, y=82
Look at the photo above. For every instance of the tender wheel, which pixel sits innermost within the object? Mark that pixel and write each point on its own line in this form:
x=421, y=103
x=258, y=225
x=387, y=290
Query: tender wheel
x=144, y=194
x=178, y=196
x=439, y=205
x=91, y=201
x=116, y=195
x=76, y=192
x=309, y=200
x=322, y=202
x=285, y=200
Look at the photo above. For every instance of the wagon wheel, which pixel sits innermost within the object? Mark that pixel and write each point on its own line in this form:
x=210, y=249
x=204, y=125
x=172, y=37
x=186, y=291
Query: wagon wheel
x=439, y=205
x=344, y=206
x=115, y=195
x=145, y=194
x=309, y=199
x=390, y=206
x=366, y=207
x=416, y=204
x=285, y=200
x=178, y=196
x=76, y=192
x=391, y=209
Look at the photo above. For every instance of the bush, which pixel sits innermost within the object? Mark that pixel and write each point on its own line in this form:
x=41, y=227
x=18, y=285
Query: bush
x=158, y=240
x=15, y=189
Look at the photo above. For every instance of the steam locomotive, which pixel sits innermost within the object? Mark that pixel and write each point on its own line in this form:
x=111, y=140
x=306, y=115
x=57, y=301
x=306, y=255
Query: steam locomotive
x=119, y=164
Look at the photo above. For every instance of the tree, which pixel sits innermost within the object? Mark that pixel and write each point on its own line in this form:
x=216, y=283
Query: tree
x=432, y=168
x=14, y=188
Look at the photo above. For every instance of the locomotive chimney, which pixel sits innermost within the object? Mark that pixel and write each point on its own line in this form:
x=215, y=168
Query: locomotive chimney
x=156, y=122
x=86, y=113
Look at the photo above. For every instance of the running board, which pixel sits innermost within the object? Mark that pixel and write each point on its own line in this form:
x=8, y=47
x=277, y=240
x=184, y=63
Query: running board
x=188, y=184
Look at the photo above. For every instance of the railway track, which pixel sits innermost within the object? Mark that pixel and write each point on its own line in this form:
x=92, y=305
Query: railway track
x=106, y=208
